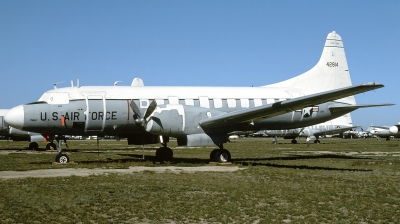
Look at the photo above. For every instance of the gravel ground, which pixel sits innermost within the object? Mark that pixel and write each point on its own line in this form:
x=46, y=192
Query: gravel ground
x=134, y=169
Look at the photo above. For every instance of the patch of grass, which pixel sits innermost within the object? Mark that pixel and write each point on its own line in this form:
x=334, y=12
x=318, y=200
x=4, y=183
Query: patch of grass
x=337, y=181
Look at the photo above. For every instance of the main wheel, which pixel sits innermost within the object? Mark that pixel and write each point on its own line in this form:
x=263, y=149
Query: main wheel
x=222, y=156
x=62, y=158
x=164, y=154
x=168, y=154
x=212, y=154
x=33, y=146
x=294, y=141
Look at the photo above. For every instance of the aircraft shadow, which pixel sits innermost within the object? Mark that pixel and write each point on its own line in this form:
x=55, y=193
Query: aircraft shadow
x=249, y=162
x=238, y=161
x=302, y=167
x=298, y=157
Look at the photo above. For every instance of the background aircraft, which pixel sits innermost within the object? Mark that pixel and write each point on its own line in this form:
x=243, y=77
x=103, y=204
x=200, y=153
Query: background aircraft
x=196, y=116
x=386, y=132
x=395, y=130
x=335, y=126
x=18, y=135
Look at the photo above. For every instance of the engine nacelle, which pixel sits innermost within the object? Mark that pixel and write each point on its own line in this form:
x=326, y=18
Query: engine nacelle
x=178, y=120
x=394, y=129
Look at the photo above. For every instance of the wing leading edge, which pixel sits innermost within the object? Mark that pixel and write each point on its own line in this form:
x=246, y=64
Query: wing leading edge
x=271, y=110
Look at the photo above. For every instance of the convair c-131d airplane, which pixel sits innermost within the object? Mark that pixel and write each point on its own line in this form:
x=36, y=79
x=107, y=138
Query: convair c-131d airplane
x=196, y=116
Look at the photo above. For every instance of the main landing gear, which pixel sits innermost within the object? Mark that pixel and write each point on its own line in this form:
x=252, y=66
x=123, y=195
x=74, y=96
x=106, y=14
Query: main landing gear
x=61, y=157
x=220, y=155
x=164, y=153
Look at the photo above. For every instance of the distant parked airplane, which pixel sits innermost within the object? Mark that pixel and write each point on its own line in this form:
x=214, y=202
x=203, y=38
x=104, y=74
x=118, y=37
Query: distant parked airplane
x=335, y=126
x=18, y=135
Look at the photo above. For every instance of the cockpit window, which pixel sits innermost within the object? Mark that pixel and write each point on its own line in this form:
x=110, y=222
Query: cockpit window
x=55, y=98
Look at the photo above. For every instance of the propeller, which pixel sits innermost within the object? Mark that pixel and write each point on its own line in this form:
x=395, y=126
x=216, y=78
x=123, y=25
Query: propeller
x=143, y=119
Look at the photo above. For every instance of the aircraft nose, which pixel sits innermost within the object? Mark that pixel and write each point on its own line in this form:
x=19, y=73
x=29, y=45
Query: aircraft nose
x=393, y=130
x=15, y=117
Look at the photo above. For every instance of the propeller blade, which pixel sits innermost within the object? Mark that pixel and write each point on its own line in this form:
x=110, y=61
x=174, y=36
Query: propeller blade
x=150, y=109
x=135, y=109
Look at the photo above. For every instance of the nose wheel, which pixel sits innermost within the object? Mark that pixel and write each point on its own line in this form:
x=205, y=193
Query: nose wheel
x=62, y=158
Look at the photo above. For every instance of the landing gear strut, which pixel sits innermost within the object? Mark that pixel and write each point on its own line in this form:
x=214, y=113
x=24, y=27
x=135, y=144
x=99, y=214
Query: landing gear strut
x=61, y=158
x=220, y=155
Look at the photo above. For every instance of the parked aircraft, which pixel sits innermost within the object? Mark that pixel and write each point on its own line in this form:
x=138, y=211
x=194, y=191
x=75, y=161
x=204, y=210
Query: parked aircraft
x=18, y=135
x=395, y=129
x=196, y=116
x=383, y=131
x=335, y=126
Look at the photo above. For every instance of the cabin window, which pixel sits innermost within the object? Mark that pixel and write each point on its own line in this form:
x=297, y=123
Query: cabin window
x=244, y=103
x=257, y=102
x=231, y=103
x=269, y=101
x=204, y=102
x=173, y=100
x=160, y=102
x=217, y=103
x=189, y=102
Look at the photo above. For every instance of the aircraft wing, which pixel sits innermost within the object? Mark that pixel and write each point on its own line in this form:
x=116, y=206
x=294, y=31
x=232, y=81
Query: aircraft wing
x=334, y=131
x=380, y=127
x=271, y=110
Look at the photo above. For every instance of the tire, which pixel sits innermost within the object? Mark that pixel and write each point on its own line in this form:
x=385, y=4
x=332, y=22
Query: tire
x=168, y=154
x=33, y=146
x=51, y=146
x=222, y=156
x=62, y=158
x=294, y=141
x=212, y=155
x=164, y=154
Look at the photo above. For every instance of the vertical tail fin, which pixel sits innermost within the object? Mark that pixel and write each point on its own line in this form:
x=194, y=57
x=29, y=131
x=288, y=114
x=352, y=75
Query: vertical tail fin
x=331, y=71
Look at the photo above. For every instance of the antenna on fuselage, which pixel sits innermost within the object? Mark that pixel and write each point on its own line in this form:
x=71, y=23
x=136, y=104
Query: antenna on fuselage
x=55, y=84
x=116, y=83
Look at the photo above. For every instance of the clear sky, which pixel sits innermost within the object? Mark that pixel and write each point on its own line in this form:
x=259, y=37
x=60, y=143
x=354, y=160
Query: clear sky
x=196, y=43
